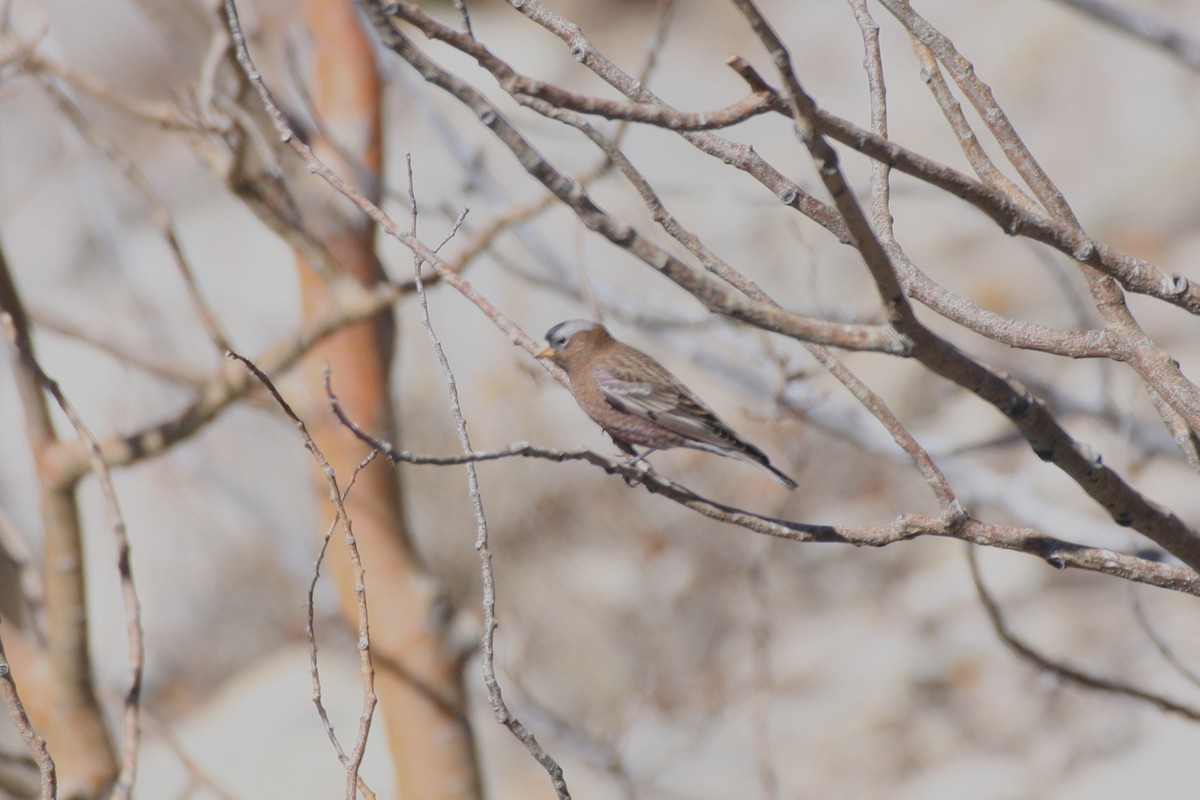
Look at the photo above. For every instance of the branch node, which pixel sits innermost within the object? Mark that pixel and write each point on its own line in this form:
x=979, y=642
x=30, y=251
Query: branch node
x=1085, y=252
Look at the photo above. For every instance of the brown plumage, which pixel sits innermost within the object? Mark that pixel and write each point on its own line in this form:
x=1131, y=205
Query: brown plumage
x=637, y=401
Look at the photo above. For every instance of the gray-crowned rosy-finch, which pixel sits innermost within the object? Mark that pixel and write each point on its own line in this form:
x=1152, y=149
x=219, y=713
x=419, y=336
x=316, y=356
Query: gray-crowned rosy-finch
x=637, y=401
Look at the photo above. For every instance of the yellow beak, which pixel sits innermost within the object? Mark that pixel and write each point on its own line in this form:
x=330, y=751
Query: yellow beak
x=545, y=352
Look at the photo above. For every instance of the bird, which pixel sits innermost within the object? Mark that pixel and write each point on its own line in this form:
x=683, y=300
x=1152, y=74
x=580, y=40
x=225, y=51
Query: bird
x=637, y=401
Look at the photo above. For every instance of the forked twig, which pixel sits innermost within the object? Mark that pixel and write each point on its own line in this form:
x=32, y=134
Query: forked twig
x=336, y=496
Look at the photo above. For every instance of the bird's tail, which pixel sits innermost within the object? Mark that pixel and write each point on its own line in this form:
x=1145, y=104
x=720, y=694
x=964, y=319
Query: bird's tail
x=758, y=458
x=779, y=476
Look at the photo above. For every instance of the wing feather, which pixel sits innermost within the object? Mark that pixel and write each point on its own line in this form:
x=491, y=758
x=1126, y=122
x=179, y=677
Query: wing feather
x=667, y=403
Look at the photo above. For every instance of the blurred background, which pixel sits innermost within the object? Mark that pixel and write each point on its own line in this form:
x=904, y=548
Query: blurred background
x=655, y=653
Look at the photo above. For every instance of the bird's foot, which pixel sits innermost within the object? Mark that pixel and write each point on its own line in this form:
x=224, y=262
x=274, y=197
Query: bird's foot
x=641, y=466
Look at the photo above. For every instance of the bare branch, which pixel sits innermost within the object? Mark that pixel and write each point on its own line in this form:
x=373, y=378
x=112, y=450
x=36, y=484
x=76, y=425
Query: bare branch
x=131, y=717
x=495, y=697
x=1045, y=435
x=310, y=630
x=336, y=496
x=1160, y=371
x=36, y=744
x=1059, y=553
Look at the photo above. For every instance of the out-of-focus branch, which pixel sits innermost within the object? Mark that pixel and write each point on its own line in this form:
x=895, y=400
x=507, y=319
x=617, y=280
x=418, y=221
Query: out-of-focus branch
x=419, y=678
x=1144, y=27
x=33, y=595
x=159, y=213
x=163, y=366
x=67, y=461
x=1074, y=675
x=26, y=58
x=1164, y=649
x=198, y=775
x=764, y=687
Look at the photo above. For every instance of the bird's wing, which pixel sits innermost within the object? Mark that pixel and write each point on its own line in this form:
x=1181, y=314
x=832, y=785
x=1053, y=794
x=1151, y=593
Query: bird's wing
x=663, y=400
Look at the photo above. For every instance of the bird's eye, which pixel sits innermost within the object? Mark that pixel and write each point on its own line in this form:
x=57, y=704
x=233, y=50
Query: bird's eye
x=560, y=340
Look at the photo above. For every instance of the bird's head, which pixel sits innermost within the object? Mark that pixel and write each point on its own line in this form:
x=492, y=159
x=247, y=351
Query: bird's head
x=569, y=343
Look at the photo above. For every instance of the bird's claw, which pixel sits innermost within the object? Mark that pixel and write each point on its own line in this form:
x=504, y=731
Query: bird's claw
x=640, y=469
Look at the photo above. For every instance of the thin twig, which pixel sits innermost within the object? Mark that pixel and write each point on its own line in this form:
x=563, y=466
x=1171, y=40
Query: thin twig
x=503, y=715
x=336, y=496
x=35, y=743
x=310, y=628
x=480, y=179
x=968, y=142
x=654, y=46
x=881, y=190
